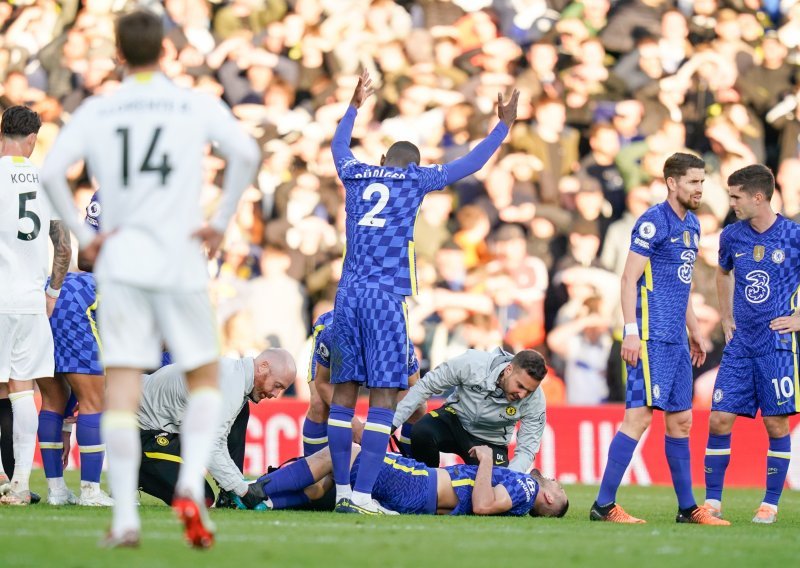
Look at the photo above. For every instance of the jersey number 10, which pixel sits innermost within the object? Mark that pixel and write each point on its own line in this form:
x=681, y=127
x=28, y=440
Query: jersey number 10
x=147, y=165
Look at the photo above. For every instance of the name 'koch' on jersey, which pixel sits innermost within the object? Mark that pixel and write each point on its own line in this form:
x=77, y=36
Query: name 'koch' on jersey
x=382, y=206
x=671, y=246
x=766, y=270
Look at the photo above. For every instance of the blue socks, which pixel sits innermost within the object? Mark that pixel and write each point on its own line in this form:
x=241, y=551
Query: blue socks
x=288, y=500
x=404, y=439
x=50, y=444
x=678, y=458
x=315, y=436
x=340, y=441
x=93, y=450
x=620, y=453
x=293, y=477
x=718, y=456
x=373, y=448
x=778, y=456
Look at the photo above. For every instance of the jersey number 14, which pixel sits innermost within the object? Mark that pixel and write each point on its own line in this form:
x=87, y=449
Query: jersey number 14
x=162, y=168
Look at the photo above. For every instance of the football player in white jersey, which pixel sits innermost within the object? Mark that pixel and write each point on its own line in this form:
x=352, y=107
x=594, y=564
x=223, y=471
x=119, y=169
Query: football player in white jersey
x=26, y=342
x=144, y=143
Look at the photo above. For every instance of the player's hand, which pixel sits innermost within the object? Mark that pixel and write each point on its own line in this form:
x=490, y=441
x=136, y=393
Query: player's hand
x=363, y=90
x=51, y=304
x=785, y=324
x=66, y=438
x=507, y=112
x=697, y=350
x=631, y=349
x=358, y=430
x=728, y=327
x=481, y=453
x=210, y=237
x=255, y=495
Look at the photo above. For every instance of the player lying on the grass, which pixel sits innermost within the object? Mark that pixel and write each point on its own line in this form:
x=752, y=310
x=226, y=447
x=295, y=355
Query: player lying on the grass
x=164, y=398
x=407, y=486
x=492, y=391
x=315, y=426
x=757, y=282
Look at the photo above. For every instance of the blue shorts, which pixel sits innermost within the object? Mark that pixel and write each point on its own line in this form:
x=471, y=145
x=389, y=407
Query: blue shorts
x=662, y=378
x=371, y=339
x=77, y=346
x=403, y=485
x=767, y=382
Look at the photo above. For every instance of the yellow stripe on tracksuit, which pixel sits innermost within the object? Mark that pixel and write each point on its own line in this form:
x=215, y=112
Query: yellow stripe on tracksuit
x=163, y=456
x=646, y=374
x=93, y=324
x=317, y=330
x=794, y=305
x=648, y=287
x=405, y=468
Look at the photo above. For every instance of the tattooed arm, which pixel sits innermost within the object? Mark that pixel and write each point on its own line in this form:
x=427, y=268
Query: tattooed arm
x=62, y=255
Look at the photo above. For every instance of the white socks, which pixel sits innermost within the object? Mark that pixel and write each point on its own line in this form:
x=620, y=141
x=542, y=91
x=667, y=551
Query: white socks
x=361, y=499
x=343, y=492
x=26, y=423
x=123, y=451
x=198, y=429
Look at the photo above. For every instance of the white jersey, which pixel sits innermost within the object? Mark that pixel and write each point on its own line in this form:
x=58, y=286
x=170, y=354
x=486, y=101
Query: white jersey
x=145, y=145
x=24, y=229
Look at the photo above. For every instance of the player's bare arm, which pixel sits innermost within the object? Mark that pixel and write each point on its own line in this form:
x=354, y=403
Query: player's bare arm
x=364, y=89
x=697, y=343
x=487, y=500
x=62, y=254
x=634, y=268
x=725, y=285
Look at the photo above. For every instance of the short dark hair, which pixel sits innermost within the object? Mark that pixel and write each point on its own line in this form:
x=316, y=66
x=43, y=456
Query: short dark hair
x=20, y=121
x=403, y=152
x=754, y=179
x=139, y=37
x=563, y=511
x=531, y=362
x=679, y=163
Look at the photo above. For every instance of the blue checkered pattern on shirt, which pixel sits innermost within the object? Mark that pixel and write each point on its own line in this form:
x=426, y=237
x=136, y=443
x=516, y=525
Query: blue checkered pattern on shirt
x=381, y=206
x=74, y=334
x=521, y=487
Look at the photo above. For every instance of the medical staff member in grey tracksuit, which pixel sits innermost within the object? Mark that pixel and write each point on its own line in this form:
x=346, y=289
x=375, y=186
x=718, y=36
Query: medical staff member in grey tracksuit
x=492, y=392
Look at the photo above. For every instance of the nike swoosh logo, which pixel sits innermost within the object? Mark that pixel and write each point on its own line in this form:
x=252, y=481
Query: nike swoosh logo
x=675, y=240
x=499, y=462
x=738, y=254
x=783, y=402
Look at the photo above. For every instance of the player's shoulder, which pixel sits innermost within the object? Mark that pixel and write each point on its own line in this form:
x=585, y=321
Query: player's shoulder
x=692, y=220
x=733, y=230
x=324, y=320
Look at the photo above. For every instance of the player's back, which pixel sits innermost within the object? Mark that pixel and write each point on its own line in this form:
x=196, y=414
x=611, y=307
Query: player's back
x=24, y=228
x=145, y=145
x=766, y=268
x=381, y=205
x=670, y=243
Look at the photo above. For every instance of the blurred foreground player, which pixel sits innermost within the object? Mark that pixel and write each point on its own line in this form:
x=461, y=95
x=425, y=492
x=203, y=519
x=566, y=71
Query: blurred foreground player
x=757, y=282
x=370, y=314
x=144, y=143
x=655, y=304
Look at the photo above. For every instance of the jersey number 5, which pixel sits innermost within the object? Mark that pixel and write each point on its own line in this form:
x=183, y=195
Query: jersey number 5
x=25, y=214
x=370, y=219
x=147, y=166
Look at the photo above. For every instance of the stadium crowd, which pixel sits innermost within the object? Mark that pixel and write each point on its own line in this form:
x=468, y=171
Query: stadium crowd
x=528, y=251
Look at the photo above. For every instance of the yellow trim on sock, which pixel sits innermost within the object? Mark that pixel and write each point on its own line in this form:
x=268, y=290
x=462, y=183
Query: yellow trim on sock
x=315, y=441
x=339, y=423
x=51, y=445
x=781, y=455
x=15, y=396
x=718, y=452
x=92, y=449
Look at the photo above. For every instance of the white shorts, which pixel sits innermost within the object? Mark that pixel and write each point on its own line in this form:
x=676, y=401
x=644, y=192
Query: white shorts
x=136, y=325
x=26, y=347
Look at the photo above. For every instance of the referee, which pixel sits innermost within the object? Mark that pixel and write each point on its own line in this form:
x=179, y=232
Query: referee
x=492, y=391
x=164, y=397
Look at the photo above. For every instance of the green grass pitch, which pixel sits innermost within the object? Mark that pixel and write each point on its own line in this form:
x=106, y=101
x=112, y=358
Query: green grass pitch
x=65, y=537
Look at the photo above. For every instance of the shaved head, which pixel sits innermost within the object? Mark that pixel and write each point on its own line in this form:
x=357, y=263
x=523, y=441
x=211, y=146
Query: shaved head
x=275, y=371
x=401, y=154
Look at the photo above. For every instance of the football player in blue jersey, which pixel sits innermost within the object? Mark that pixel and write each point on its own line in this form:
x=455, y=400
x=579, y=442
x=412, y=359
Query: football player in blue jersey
x=410, y=487
x=659, y=355
x=77, y=358
x=315, y=427
x=370, y=315
x=758, y=281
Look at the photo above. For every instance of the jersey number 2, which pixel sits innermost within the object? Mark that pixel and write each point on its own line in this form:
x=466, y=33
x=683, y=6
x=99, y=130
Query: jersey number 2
x=370, y=220
x=147, y=166
x=25, y=214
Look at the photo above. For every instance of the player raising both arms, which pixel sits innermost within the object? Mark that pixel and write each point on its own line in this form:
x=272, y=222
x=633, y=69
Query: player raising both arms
x=370, y=320
x=145, y=143
x=757, y=281
x=659, y=355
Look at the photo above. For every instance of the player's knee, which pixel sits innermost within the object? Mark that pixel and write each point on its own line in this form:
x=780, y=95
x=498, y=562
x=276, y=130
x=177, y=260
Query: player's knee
x=317, y=410
x=720, y=423
x=636, y=423
x=679, y=426
x=777, y=426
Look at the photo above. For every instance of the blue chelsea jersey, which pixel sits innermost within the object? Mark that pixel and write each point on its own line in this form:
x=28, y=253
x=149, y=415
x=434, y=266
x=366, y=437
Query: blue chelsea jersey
x=670, y=243
x=766, y=271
